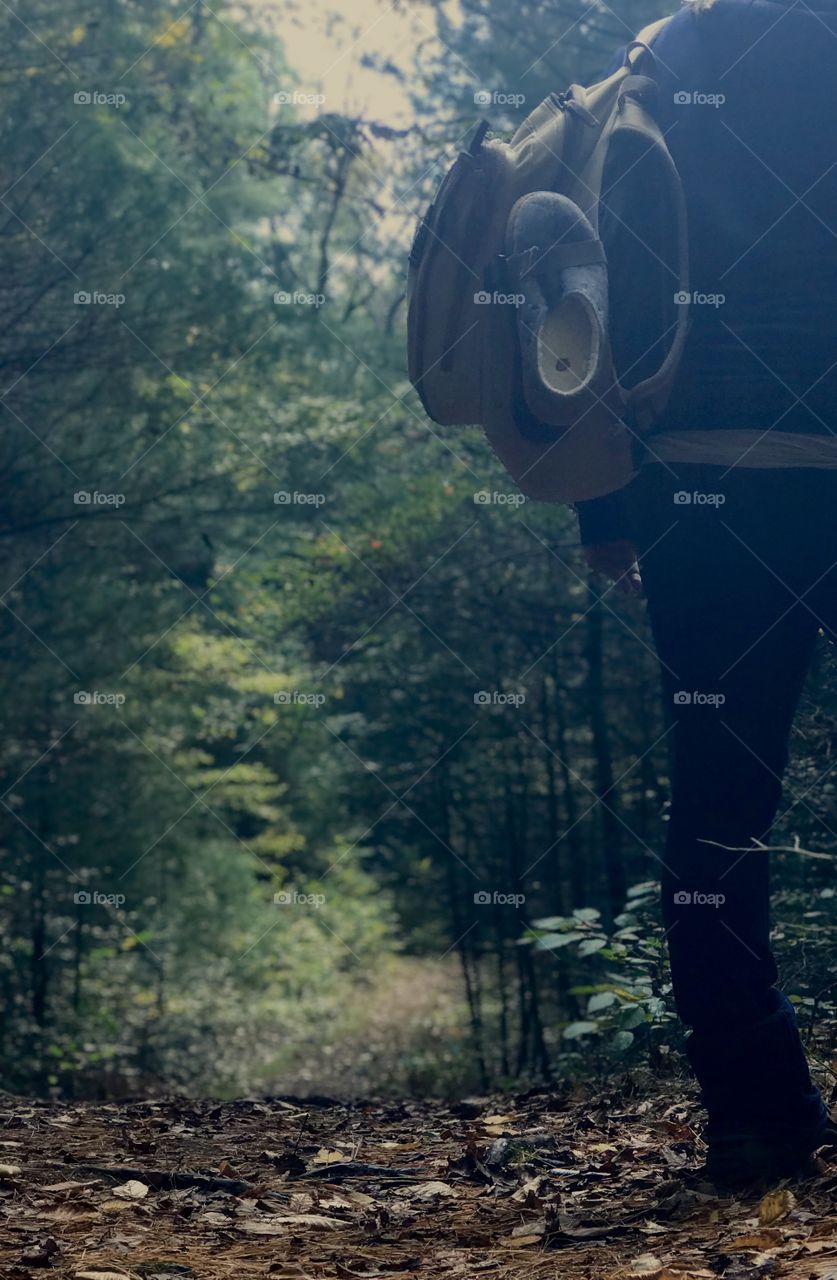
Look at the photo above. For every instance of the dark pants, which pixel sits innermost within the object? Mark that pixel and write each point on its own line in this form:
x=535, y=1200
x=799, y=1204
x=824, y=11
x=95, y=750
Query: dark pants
x=739, y=571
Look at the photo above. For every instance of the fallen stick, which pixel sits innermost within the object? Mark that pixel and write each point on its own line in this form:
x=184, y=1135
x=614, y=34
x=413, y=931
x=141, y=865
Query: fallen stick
x=164, y=1180
x=341, y=1170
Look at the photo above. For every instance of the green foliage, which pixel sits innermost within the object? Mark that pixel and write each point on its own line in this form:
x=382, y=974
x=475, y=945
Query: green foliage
x=628, y=997
x=318, y=663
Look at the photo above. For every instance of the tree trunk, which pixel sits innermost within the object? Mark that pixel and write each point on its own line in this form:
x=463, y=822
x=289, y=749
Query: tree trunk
x=611, y=829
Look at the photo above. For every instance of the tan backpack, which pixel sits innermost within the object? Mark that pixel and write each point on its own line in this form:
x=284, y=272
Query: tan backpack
x=463, y=351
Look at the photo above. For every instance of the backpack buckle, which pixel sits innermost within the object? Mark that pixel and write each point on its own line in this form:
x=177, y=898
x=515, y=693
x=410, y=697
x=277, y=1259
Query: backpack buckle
x=572, y=100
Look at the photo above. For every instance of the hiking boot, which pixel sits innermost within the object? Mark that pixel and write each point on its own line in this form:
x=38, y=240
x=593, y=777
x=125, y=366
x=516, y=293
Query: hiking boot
x=740, y=1158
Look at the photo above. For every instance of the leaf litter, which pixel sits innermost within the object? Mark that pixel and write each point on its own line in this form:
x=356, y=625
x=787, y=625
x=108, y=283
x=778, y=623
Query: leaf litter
x=577, y=1183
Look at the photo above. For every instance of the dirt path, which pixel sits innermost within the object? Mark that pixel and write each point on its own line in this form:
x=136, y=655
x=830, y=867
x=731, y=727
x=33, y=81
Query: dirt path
x=536, y=1186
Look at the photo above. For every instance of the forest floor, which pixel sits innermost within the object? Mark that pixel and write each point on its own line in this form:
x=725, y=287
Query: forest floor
x=570, y=1184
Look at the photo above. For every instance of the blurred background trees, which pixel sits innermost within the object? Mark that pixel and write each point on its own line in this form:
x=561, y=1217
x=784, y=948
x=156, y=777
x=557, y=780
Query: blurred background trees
x=324, y=764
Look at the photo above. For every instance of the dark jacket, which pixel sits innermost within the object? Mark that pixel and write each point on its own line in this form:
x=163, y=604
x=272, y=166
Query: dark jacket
x=748, y=103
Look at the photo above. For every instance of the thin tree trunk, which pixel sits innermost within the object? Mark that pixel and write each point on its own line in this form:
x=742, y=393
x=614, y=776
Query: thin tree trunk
x=461, y=932
x=611, y=832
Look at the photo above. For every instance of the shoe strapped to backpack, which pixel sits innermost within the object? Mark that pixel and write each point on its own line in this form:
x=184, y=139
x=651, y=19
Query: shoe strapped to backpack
x=508, y=286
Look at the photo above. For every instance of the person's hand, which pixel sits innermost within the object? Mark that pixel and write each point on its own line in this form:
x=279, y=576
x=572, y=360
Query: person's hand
x=617, y=561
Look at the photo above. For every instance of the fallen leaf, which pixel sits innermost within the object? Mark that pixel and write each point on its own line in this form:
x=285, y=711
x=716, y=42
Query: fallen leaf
x=131, y=1190
x=819, y=1246
x=766, y=1239
x=278, y=1226
x=775, y=1205
x=324, y=1156
x=101, y=1275
x=69, y=1188
x=522, y=1242
x=431, y=1191
x=645, y=1265
x=115, y=1206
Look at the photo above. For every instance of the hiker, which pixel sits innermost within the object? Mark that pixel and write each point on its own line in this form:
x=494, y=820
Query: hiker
x=730, y=527
x=668, y=240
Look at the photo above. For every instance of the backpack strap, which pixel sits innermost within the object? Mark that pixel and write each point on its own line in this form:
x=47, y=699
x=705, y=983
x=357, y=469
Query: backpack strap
x=640, y=48
x=648, y=398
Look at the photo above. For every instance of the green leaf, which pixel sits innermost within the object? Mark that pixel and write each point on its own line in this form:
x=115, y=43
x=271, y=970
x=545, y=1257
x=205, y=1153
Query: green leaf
x=552, y=940
x=640, y=890
x=577, y=1029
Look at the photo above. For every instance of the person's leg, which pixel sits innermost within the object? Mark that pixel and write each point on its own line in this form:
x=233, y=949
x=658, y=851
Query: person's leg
x=735, y=643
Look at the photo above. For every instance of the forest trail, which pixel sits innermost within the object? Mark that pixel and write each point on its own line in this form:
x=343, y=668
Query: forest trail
x=544, y=1184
